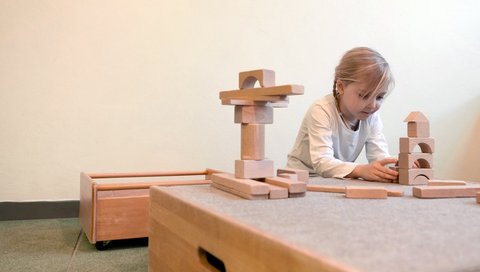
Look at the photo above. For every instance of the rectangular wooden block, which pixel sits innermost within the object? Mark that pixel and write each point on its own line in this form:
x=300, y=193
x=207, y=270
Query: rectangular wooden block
x=293, y=177
x=414, y=176
x=439, y=182
x=262, y=93
x=254, y=169
x=302, y=175
x=326, y=188
x=366, y=192
x=236, y=192
x=478, y=197
x=277, y=192
x=446, y=191
x=252, y=142
x=247, y=186
x=292, y=186
x=254, y=114
x=407, y=160
x=418, y=129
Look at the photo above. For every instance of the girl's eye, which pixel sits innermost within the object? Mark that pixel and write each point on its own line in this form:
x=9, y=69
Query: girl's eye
x=380, y=97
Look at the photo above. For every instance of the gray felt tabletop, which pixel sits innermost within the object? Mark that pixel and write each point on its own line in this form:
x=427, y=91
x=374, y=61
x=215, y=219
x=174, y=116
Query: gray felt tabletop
x=393, y=234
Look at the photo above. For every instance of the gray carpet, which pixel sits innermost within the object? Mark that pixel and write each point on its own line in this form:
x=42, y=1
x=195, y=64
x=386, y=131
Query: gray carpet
x=394, y=234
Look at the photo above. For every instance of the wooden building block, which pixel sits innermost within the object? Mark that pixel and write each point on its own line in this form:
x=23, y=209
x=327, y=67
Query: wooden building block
x=292, y=186
x=446, y=191
x=277, y=192
x=254, y=169
x=293, y=177
x=414, y=176
x=247, y=79
x=418, y=125
x=263, y=94
x=343, y=189
x=252, y=141
x=418, y=130
x=478, y=197
x=366, y=192
x=439, y=182
x=408, y=144
x=326, y=188
x=246, y=186
x=407, y=160
x=236, y=192
x=302, y=175
x=253, y=114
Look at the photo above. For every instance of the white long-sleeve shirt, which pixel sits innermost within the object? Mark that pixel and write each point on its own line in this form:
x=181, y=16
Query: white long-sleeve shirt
x=327, y=147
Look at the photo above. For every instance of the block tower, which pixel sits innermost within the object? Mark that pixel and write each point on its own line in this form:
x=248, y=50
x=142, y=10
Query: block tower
x=254, y=176
x=416, y=168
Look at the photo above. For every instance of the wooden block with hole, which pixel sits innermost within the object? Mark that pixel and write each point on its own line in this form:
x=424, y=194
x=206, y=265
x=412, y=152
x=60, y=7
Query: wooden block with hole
x=292, y=186
x=245, y=188
x=365, y=192
x=440, y=182
x=407, y=160
x=252, y=141
x=254, y=169
x=408, y=144
x=254, y=114
x=414, y=176
x=302, y=175
x=247, y=79
x=446, y=191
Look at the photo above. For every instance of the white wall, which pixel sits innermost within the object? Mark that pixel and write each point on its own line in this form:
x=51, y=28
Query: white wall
x=105, y=86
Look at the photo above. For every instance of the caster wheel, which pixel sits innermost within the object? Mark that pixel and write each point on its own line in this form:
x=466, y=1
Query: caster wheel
x=102, y=245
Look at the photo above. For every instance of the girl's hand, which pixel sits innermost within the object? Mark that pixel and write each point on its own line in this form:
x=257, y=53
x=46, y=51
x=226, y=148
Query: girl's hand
x=375, y=171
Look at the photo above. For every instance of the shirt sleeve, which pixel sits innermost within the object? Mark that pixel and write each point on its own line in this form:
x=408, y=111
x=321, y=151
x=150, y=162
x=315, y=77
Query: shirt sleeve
x=376, y=147
x=321, y=146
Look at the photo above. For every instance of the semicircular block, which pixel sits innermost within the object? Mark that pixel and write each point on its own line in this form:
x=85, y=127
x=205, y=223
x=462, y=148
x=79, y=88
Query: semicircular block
x=420, y=179
x=422, y=163
x=414, y=176
x=247, y=79
x=407, y=160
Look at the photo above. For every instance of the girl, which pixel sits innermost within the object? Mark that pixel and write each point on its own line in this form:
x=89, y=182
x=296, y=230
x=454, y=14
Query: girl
x=337, y=127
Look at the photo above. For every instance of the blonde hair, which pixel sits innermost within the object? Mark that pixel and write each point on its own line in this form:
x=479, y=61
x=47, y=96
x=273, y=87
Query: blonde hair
x=366, y=64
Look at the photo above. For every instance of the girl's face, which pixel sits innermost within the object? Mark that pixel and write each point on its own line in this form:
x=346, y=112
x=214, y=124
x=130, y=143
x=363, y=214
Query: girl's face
x=356, y=101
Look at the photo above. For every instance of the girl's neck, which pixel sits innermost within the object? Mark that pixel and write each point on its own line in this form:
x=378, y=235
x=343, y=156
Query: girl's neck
x=351, y=123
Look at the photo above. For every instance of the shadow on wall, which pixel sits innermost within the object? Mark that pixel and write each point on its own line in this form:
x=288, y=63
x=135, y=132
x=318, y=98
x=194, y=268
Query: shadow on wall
x=460, y=145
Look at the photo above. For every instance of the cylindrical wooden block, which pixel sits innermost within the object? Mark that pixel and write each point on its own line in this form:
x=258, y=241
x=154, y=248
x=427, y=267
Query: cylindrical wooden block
x=253, y=142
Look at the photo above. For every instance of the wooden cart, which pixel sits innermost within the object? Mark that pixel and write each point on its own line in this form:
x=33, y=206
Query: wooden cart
x=115, y=206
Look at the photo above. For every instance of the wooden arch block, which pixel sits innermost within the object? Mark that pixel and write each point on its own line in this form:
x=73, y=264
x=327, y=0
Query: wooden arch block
x=407, y=144
x=414, y=176
x=247, y=79
x=407, y=160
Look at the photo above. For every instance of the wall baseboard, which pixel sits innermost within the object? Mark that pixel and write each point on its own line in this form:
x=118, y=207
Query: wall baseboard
x=39, y=210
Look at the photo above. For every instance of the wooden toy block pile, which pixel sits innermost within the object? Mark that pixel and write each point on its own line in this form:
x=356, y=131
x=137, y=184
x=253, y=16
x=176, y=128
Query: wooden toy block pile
x=254, y=176
x=418, y=135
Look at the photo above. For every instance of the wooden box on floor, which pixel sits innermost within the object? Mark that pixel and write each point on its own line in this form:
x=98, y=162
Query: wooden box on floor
x=119, y=209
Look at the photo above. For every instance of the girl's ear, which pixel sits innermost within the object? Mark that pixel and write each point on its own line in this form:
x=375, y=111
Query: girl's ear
x=340, y=87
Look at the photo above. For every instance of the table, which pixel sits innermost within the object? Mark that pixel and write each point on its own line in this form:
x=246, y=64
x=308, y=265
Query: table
x=200, y=228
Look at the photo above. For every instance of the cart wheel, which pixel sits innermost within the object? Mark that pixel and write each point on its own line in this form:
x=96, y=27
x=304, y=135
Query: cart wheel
x=102, y=245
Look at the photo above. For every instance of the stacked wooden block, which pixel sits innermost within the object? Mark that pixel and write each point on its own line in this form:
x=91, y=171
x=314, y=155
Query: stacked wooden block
x=416, y=168
x=254, y=176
